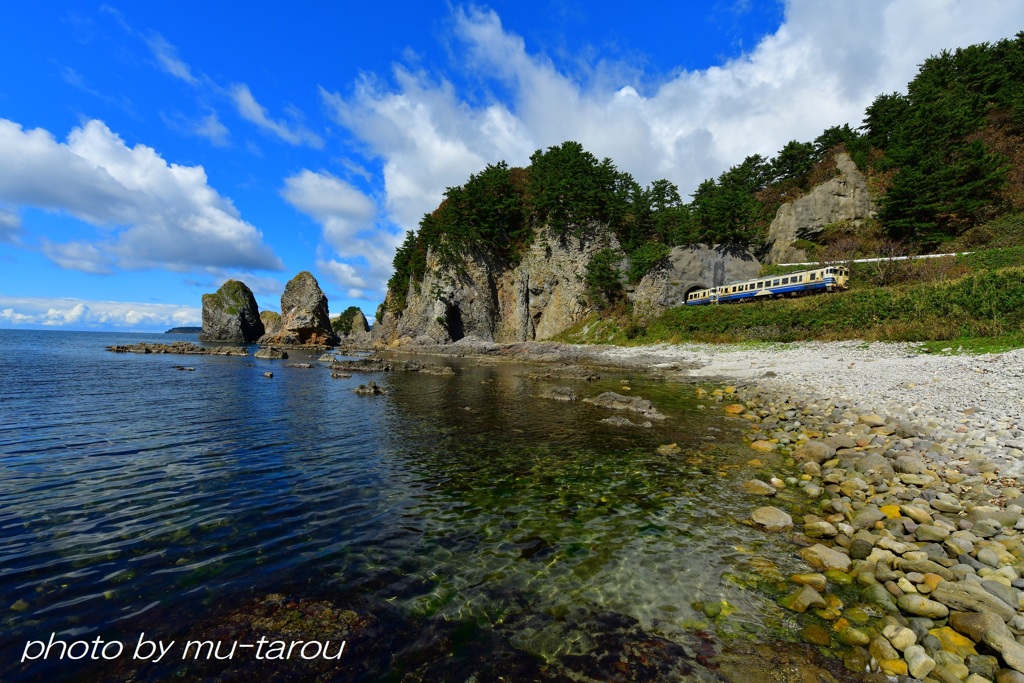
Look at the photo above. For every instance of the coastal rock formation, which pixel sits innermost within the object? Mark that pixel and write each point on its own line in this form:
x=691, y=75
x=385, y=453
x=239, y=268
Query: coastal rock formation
x=304, y=316
x=231, y=315
x=360, y=329
x=181, y=348
x=690, y=268
x=538, y=298
x=271, y=321
x=843, y=198
x=359, y=333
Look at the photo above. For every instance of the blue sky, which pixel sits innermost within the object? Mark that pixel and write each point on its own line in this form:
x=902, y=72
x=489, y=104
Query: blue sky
x=150, y=151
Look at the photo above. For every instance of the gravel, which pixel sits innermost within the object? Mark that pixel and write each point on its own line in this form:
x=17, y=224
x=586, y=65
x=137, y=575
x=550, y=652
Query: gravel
x=974, y=404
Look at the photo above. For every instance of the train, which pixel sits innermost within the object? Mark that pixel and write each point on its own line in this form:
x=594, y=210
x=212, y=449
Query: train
x=825, y=279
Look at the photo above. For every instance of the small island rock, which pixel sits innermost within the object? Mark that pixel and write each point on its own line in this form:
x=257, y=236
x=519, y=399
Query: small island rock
x=304, y=315
x=231, y=315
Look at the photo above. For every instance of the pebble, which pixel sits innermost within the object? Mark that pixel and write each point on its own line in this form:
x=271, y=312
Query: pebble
x=921, y=458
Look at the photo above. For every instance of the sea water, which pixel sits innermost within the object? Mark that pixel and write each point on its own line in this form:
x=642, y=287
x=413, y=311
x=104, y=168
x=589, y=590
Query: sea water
x=461, y=523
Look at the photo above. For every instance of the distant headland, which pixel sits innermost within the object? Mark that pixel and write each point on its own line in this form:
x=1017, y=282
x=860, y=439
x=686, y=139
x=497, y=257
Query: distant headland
x=184, y=330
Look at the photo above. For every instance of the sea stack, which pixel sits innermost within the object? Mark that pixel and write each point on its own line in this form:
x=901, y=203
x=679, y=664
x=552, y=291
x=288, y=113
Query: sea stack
x=231, y=315
x=360, y=332
x=305, y=320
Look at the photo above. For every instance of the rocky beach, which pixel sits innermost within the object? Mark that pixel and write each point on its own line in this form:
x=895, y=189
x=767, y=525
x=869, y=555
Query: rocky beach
x=898, y=472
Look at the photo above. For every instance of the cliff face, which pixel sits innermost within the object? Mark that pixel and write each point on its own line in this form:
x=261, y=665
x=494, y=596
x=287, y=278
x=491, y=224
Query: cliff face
x=689, y=268
x=535, y=300
x=844, y=197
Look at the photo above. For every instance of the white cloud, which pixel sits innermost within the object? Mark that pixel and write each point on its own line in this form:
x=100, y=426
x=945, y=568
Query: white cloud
x=208, y=127
x=167, y=56
x=822, y=67
x=342, y=273
x=252, y=111
x=81, y=314
x=338, y=206
x=154, y=214
x=10, y=225
x=347, y=216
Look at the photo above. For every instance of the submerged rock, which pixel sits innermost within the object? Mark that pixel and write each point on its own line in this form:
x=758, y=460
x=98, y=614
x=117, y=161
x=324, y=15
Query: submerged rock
x=772, y=518
x=231, y=315
x=756, y=487
x=560, y=394
x=369, y=389
x=610, y=399
x=619, y=421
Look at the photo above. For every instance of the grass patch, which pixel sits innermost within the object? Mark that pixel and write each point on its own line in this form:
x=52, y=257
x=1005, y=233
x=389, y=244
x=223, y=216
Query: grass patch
x=983, y=310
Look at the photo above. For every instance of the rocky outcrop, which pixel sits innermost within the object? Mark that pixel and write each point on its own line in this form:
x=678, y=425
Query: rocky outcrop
x=843, y=198
x=538, y=298
x=689, y=268
x=271, y=321
x=231, y=315
x=360, y=332
x=304, y=317
x=181, y=348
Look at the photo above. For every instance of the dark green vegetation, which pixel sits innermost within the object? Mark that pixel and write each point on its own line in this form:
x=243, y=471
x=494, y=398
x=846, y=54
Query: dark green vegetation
x=343, y=323
x=944, y=162
x=496, y=214
x=231, y=297
x=975, y=301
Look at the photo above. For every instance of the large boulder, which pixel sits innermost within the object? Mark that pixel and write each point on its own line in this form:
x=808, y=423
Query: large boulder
x=231, y=315
x=304, y=316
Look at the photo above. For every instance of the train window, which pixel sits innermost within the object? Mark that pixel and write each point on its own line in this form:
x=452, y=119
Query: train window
x=785, y=280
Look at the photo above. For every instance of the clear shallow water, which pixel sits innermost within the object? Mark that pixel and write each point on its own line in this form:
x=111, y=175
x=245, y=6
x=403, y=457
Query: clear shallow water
x=463, y=517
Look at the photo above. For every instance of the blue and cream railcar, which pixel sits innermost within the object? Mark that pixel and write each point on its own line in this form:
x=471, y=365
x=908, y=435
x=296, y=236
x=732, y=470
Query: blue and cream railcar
x=826, y=279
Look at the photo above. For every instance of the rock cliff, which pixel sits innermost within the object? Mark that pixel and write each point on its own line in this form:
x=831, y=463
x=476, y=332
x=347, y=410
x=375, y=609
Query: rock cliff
x=843, y=198
x=536, y=299
x=231, y=315
x=689, y=268
x=304, y=315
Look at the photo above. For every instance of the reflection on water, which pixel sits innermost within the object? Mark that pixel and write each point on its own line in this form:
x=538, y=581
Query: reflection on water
x=134, y=496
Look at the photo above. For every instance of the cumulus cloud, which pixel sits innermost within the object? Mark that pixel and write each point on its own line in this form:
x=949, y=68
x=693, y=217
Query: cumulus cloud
x=252, y=111
x=154, y=214
x=77, y=313
x=822, y=67
x=348, y=219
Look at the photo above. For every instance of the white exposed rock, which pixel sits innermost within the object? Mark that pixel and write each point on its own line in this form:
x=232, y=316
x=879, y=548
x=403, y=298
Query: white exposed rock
x=843, y=198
